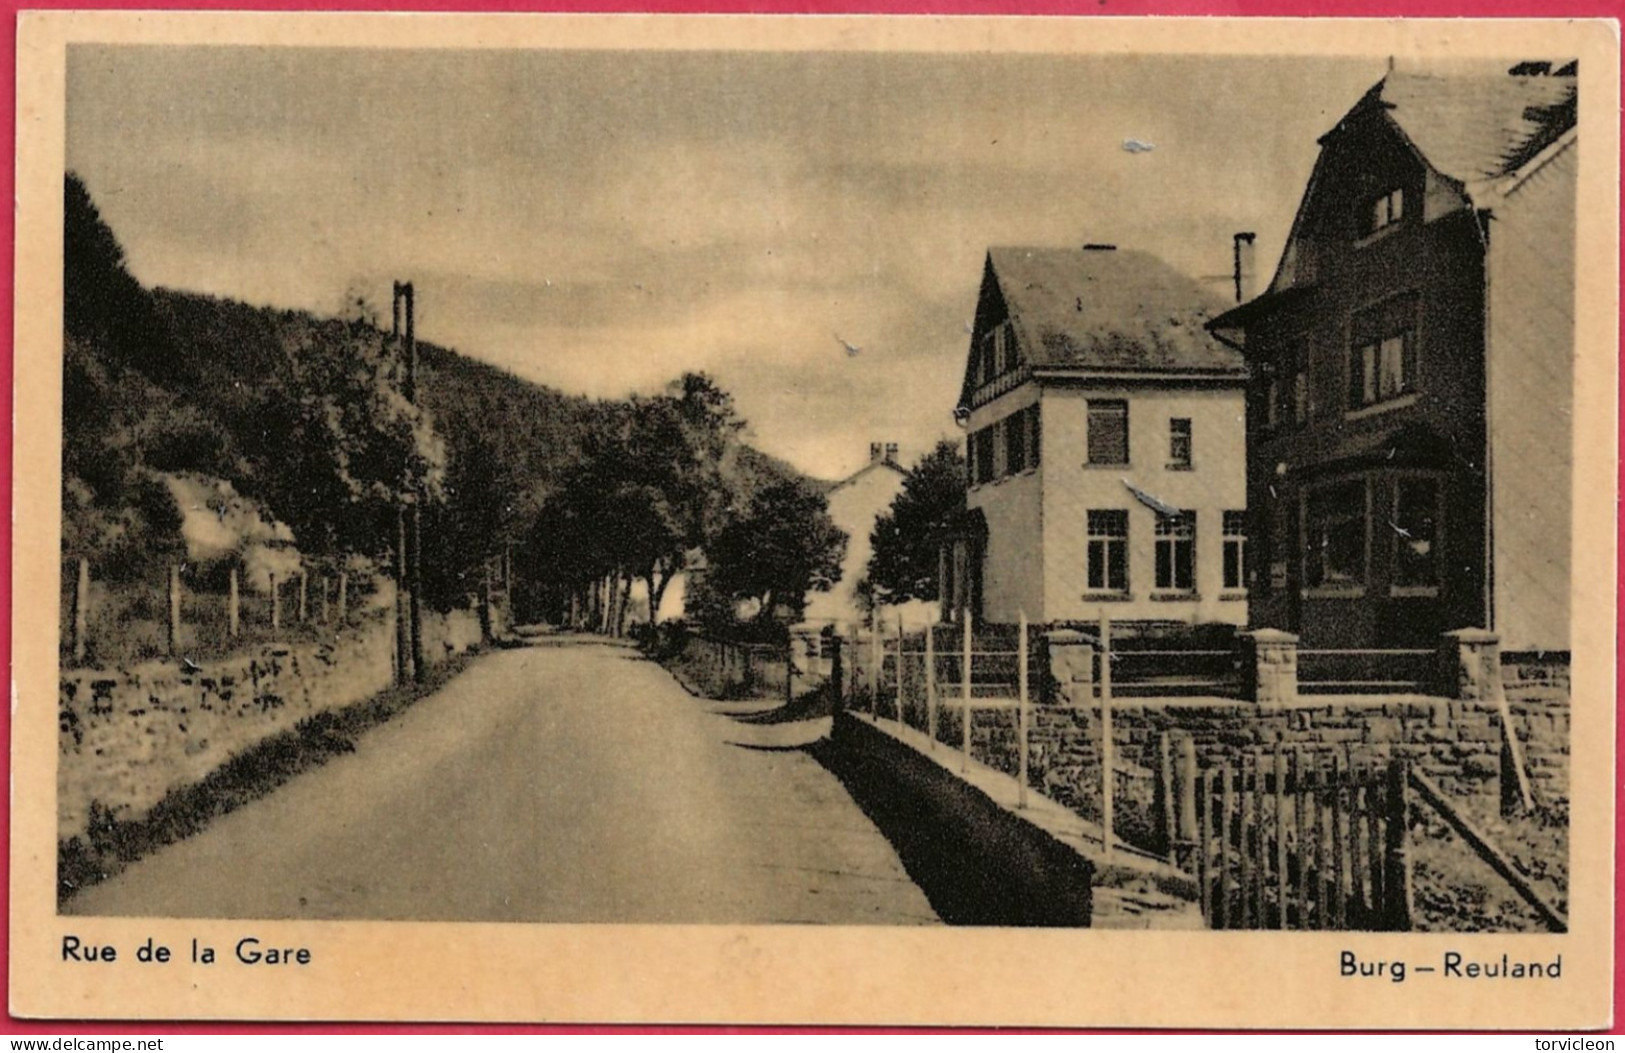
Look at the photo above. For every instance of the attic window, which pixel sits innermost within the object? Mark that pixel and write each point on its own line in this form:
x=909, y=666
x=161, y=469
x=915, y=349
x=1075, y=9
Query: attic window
x=1384, y=212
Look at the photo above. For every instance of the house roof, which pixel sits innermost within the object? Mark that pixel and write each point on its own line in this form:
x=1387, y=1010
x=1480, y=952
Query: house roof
x=1477, y=126
x=1474, y=126
x=1108, y=309
x=830, y=486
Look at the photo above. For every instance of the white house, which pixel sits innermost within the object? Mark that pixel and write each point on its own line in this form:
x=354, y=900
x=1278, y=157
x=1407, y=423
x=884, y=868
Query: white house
x=1106, y=448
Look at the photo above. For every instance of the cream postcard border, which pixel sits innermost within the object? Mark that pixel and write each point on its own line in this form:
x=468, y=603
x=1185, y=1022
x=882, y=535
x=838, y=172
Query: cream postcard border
x=795, y=974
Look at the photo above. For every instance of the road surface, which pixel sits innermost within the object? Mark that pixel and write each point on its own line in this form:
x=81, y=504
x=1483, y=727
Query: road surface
x=574, y=782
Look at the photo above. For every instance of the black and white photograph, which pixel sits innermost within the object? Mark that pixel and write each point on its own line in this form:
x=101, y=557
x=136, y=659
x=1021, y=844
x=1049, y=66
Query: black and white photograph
x=826, y=487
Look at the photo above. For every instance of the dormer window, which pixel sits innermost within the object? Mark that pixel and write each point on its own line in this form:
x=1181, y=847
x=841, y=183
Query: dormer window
x=1384, y=212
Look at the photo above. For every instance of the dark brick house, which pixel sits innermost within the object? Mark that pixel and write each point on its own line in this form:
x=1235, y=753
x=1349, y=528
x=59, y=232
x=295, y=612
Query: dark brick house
x=1411, y=371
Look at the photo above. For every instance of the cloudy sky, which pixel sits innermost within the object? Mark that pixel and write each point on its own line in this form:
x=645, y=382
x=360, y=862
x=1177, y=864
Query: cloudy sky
x=601, y=221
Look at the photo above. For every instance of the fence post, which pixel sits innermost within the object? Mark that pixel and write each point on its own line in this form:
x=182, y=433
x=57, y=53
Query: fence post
x=174, y=609
x=81, y=612
x=326, y=597
x=1162, y=795
x=900, y=721
x=487, y=630
x=877, y=658
x=1108, y=759
x=276, y=604
x=1283, y=884
x=304, y=581
x=1225, y=826
x=931, y=684
x=852, y=681
x=789, y=670
x=1340, y=863
x=1304, y=812
x=836, y=671
x=1022, y=715
x=1203, y=787
x=964, y=676
x=1185, y=827
x=344, y=595
x=1396, y=879
x=234, y=608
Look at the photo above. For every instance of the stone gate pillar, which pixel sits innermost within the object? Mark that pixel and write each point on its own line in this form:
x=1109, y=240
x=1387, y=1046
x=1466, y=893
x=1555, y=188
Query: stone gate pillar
x=1470, y=665
x=1269, y=666
x=1072, y=664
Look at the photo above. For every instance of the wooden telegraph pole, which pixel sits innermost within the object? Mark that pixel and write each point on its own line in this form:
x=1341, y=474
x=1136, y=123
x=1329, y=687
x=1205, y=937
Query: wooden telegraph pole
x=403, y=603
x=415, y=591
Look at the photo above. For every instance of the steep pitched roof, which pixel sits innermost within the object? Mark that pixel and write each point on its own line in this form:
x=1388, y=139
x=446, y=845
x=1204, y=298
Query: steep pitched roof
x=1477, y=126
x=1473, y=125
x=1108, y=309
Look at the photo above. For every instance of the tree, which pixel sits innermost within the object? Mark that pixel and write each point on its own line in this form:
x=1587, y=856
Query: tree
x=904, y=542
x=783, y=547
x=102, y=303
x=675, y=493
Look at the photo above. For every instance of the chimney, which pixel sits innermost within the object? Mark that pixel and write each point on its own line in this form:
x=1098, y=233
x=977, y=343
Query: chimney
x=1244, y=265
x=875, y=449
x=891, y=453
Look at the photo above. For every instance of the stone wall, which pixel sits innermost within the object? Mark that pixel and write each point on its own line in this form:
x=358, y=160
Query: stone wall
x=1456, y=743
x=130, y=735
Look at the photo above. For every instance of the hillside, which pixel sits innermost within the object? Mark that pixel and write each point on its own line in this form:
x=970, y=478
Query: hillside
x=188, y=415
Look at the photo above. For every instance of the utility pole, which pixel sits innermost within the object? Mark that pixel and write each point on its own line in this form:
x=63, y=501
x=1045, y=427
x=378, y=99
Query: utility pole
x=404, y=665
x=414, y=562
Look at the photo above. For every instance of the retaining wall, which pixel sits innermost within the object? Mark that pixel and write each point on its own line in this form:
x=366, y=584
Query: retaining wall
x=129, y=735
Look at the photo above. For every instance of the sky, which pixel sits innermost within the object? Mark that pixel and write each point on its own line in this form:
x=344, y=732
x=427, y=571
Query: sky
x=602, y=221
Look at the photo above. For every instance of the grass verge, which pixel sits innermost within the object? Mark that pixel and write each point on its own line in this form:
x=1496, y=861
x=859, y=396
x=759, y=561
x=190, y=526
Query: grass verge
x=110, y=844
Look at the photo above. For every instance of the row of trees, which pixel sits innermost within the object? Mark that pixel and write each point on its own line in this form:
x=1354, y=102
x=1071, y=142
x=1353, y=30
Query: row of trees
x=665, y=487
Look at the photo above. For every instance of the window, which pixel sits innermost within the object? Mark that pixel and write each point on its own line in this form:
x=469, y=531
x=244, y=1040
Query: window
x=1272, y=403
x=1385, y=212
x=998, y=354
x=1415, y=530
x=1015, y=442
x=1176, y=552
x=1012, y=350
x=1035, y=435
x=983, y=448
x=1108, y=550
x=1108, y=431
x=1335, y=536
x=1235, y=550
x=1383, y=352
x=1300, y=397
x=1179, y=442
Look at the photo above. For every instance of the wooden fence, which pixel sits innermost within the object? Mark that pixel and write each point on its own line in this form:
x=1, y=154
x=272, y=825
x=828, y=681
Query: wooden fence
x=184, y=611
x=1284, y=842
x=735, y=668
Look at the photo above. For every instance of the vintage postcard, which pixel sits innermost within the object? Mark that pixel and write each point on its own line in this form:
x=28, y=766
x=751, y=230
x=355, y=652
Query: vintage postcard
x=854, y=520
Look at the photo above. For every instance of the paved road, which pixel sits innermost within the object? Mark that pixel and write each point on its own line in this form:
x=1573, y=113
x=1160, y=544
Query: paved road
x=564, y=783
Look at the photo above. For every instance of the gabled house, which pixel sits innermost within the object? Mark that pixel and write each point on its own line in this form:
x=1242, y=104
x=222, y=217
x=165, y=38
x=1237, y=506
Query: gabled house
x=1412, y=371
x=1104, y=449
x=855, y=502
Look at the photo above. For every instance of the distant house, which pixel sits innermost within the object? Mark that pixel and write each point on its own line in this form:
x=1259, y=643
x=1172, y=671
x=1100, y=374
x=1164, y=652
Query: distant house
x=854, y=504
x=1412, y=371
x=1105, y=449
